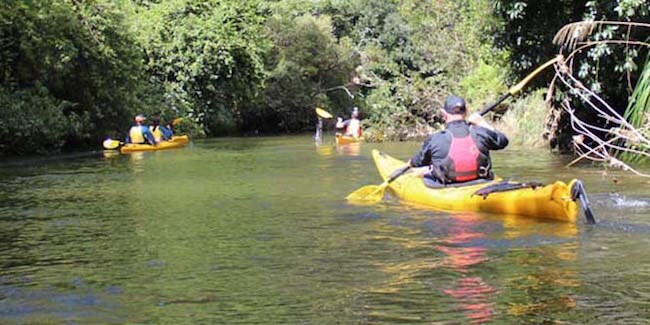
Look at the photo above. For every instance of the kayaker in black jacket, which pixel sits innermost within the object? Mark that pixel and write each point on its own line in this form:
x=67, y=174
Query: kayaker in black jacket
x=461, y=152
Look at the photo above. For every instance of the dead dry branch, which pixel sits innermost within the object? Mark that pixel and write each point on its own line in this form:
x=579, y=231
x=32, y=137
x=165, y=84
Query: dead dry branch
x=613, y=136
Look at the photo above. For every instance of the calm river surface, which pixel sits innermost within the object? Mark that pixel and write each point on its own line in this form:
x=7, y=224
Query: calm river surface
x=257, y=230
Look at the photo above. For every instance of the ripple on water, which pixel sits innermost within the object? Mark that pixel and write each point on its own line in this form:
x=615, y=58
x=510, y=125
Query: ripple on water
x=620, y=201
x=257, y=230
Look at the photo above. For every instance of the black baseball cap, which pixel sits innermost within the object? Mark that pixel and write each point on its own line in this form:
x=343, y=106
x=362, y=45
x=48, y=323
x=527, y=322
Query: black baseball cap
x=455, y=105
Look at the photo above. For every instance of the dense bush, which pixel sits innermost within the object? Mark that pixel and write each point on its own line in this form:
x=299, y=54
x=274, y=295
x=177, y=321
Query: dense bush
x=84, y=68
x=306, y=66
x=80, y=53
x=207, y=57
x=32, y=119
x=427, y=50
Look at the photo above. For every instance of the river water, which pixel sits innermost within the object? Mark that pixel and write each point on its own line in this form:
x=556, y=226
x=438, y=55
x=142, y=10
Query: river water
x=256, y=230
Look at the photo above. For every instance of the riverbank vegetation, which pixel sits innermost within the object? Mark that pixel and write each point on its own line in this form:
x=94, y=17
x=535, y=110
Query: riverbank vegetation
x=75, y=72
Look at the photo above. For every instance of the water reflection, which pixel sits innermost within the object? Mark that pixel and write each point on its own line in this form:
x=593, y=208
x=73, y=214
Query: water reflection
x=108, y=154
x=325, y=150
x=547, y=273
x=477, y=264
x=256, y=230
x=464, y=251
x=350, y=149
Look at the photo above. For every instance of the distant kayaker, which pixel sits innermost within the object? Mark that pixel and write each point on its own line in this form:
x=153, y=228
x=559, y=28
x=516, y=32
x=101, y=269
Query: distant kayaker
x=352, y=126
x=140, y=134
x=461, y=153
x=160, y=132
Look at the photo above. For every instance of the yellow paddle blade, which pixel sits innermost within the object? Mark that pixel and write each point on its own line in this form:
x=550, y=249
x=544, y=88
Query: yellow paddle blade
x=177, y=121
x=368, y=194
x=110, y=144
x=323, y=113
x=519, y=86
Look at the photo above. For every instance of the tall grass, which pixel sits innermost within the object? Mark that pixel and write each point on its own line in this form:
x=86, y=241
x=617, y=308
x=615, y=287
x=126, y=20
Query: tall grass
x=525, y=122
x=639, y=103
x=638, y=113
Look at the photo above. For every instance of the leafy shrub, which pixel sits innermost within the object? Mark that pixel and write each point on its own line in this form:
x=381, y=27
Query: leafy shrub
x=307, y=67
x=31, y=121
x=483, y=84
x=207, y=57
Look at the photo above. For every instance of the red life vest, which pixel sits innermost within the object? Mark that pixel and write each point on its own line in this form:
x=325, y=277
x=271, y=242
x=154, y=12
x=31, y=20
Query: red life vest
x=462, y=163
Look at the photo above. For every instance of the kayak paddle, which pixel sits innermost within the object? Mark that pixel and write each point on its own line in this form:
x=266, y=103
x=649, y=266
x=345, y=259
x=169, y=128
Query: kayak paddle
x=374, y=193
x=323, y=113
x=578, y=192
x=519, y=86
x=111, y=144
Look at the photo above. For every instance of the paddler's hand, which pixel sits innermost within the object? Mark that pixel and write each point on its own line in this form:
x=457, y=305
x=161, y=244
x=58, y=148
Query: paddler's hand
x=339, y=122
x=477, y=119
x=420, y=171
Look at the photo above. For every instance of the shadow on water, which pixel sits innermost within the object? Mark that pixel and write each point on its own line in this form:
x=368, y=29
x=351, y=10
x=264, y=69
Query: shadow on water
x=37, y=160
x=74, y=302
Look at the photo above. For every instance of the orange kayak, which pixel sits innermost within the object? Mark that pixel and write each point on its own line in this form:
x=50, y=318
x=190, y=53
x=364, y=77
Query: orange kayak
x=342, y=139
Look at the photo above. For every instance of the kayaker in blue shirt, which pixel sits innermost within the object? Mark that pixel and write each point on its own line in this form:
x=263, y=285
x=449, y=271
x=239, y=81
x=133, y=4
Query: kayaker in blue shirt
x=461, y=152
x=139, y=133
x=160, y=132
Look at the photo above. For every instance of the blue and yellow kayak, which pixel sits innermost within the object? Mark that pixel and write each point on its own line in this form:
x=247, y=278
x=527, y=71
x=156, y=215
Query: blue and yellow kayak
x=173, y=143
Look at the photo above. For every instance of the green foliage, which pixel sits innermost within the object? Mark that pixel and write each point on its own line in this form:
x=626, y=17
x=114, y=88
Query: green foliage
x=80, y=53
x=639, y=105
x=307, y=67
x=638, y=114
x=31, y=121
x=609, y=70
x=207, y=57
x=412, y=54
x=439, y=44
x=245, y=66
x=531, y=25
x=189, y=127
x=485, y=83
x=528, y=29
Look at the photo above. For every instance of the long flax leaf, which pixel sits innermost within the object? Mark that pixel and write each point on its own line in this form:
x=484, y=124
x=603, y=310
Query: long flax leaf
x=638, y=109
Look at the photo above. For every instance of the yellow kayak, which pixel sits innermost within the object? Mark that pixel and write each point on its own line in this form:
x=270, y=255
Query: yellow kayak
x=342, y=139
x=175, y=142
x=553, y=201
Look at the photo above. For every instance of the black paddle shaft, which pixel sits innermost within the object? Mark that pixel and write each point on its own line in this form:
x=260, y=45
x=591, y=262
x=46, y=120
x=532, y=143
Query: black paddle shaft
x=499, y=101
x=397, y=173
